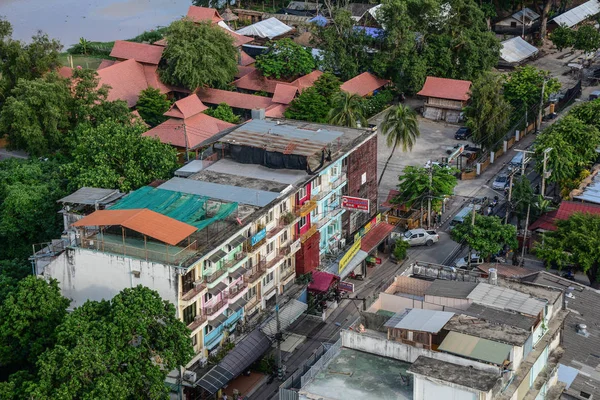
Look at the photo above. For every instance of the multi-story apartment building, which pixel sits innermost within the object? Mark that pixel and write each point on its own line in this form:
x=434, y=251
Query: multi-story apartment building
x=222, y=242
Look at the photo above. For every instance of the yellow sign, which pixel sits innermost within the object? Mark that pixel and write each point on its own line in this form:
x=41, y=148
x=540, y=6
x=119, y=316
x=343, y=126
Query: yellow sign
x=365, y=229
x=349, y=255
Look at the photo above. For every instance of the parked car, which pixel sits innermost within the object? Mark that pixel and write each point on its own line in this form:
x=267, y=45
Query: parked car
x=462, y=133
x=501, y=182
x=463, y=263
x=418, y=237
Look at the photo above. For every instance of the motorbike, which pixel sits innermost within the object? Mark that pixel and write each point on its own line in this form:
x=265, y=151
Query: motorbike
x=358, y=277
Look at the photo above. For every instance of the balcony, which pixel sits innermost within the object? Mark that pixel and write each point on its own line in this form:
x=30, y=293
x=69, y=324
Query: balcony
x=338, y=182
x=237, y=258
x=256, y=272
x=198, y=321
x=213, y=309
x=276, y=260
x=277, y=227
x=286, y=273
x=253, y=302
x=198, y=287
x=235, y=290
x=306, y=208
x=306, y=235
x=215, y=275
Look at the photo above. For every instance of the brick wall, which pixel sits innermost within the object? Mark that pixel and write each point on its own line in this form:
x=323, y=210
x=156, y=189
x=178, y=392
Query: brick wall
x=362, y=161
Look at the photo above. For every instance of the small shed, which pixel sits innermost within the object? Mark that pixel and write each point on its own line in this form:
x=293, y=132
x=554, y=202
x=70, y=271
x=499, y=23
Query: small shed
x=515, y=51
x=418, y=327
x=445, y=98
x=523, y=21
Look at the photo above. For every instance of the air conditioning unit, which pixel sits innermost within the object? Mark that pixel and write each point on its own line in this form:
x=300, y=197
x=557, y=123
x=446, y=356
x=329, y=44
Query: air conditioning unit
x=136, y=273
x=189, y=376
x=342, y=243
x=239, y=256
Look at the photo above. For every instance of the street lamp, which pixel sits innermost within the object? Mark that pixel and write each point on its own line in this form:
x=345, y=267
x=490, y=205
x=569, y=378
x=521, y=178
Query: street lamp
x=548, y=150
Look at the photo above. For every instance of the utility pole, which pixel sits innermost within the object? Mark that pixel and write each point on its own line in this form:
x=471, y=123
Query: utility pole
x=278, y=336
x=525, y=152
x=539, y=120
x=472, y=225
x=525, y=234
x=508, y=203
x=548, y=150
x=187, y=145
x=523, y=17
x=429, y=198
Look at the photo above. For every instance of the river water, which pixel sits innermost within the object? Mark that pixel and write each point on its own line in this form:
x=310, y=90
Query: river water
x=94, y=20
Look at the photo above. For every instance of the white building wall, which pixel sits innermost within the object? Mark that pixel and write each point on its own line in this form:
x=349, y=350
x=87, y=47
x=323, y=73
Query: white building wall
x=90, y=275
x=428, y=389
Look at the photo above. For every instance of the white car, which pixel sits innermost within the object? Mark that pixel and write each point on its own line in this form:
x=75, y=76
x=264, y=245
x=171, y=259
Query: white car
x=418, y=237
x=463, y=263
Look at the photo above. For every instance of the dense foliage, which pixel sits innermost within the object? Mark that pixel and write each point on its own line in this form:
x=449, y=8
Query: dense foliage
x=309, y=106
x=416, y=184
x=224, y=113
x=523, y=87
x=347, y=110
x=198, y=55
x=151, y=105
x=487, y=237
x=285, y=59
x=576, y=242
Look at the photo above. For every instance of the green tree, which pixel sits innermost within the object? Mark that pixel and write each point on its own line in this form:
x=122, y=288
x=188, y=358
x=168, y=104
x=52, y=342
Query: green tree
x=25, y=61
x=285, y=59
x=563, y=37
x=198, y=55
x=587, y=38
x=416, y=183
x=117, y=156
x=576, y=241
x=11, y=272
x=28, y=320
x=36, y=115
x=309, y=106
x=151, y=105
x=327, y=85
x=488, y=114
x=522, y=197
x=563, y=163
x=523, y=87
x=29, y=190
x=587, y=112
x=400, y=127
x=224, y=113
x=118, y=349
x=84, y=44
x=347, y=110
x=487, y=237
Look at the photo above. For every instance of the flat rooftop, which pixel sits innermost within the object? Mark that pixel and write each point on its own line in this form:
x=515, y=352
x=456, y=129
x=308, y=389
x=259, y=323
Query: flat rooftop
x=481, y=328
x=354, y=375
x=453, y=373
x=233, y=169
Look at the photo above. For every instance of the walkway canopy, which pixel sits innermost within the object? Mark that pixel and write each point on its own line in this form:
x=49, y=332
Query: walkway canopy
x=321, y=282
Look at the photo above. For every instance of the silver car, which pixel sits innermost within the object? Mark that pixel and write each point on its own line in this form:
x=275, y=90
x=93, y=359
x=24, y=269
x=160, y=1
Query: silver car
x=418, y=237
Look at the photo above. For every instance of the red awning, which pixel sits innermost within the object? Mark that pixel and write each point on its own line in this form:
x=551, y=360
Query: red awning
x=375, y=236
x=321, y=281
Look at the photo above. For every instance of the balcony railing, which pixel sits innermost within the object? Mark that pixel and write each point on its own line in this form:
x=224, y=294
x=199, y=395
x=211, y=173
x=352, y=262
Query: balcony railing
x=256, y=272
x=215, y=275
x=198, y=287
x=239, y=256
x=236, y=289
x=198, y=320
x=274, y=261
x=278, y=227
x=286, y=273
x=212, y=309
x=306, y=208
x=253, y=302
x=306, y=235
x=285, y=251
x=338, y=182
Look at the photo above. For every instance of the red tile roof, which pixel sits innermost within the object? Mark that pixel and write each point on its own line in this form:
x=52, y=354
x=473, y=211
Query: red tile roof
x=257, y=82
x=198, y=129
x=186, y=107
x=128, y=78
x=243, y=71
x=105, y=63
x=363, y=84
x=238, y=40
x=276, y=111
x=144, y=221
x=284, y=94
x=199, y=14
x=443, y=88
x=140, y=52
x=162, y=42
x=307, y=80
x=245, y=59
x=548, y=220
x=234, y=99
x=375, y=236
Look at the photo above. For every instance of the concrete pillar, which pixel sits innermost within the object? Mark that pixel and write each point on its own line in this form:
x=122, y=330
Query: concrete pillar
x=517, y=136
x=478, y=168
x=505, y=146
x=492, y=157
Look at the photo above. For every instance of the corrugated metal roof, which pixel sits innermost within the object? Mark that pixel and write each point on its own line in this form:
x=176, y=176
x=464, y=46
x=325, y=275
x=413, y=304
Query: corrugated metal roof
x=516, y=50
x=475, y=348
x=452, y=289
x=421, y=320
x=375, y=236
x=91, y=196
x=288, y=314
x=530, y=15
x=144, y=221
x=268, y=28
x=591, y=193
x=578, y=14
x=506, y=299
x=274, y=137
x=228, y=193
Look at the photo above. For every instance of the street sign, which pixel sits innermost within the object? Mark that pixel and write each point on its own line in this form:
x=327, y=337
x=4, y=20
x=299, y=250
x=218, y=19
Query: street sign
x=355, y=203
x=346, y=286
x=349, y=255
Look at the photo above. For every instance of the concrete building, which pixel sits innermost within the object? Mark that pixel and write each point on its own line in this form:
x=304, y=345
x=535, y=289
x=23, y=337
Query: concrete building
x=484, y=339
x=222, y=242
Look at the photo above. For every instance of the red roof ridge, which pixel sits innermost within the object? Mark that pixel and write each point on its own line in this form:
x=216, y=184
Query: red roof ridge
x=186, y=107
x=141, y=52
x=199, y=14
x=363, y=84
x=234, y=99
x=444, y=88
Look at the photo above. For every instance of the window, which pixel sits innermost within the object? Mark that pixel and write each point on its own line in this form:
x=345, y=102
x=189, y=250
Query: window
x=316, y=182
x=268, y=279
x=363, y=178
x=270, y=247
x=188, y=281
x=194, y=340
x=207, y=329
x=207, y=264
x=335, y=171
x=302, y=222
x=189, y=313
x=269, y=217
x=282, y=208
x=301, y=193
x=251, y=293
x=228, y=248
x=284, y=236
x=207, y=297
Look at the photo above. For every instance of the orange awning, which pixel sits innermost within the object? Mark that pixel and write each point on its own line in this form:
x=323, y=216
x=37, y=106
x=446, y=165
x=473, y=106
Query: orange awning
x=142, y=220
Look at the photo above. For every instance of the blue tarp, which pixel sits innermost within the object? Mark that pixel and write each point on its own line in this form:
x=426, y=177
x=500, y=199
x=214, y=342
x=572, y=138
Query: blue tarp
x=319, y=20
x=373, y=32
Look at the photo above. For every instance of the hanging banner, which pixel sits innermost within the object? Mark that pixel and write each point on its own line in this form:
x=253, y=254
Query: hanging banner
x=260, y=235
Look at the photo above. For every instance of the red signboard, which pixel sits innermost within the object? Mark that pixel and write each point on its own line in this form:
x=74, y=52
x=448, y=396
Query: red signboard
x=355, y=203
x=346, y=286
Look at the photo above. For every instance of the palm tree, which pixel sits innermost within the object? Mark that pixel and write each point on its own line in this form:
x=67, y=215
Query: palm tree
x=399, y=126
x=347, y=110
